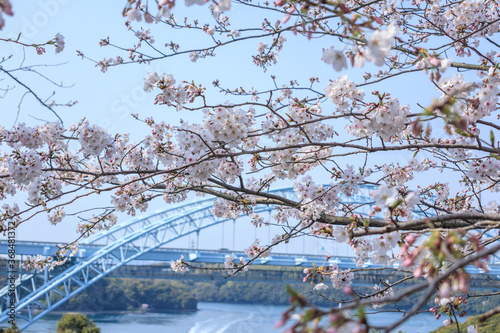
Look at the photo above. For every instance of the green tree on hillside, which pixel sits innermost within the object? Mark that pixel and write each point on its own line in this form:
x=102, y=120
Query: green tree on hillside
x=76, y=323
x=12, y=329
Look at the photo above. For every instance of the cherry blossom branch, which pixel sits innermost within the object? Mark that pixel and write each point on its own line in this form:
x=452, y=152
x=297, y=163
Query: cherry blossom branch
x=433, y=284
x=429, y=285
x=31, y=92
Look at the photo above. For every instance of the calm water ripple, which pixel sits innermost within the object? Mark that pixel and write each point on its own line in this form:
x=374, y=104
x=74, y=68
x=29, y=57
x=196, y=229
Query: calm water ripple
x=217, y=318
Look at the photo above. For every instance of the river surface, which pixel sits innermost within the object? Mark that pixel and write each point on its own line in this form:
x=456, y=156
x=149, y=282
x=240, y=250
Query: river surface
x=218, y=318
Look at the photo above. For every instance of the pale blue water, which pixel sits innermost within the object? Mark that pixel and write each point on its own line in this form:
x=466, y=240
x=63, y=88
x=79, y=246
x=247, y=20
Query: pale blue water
x=218, y=318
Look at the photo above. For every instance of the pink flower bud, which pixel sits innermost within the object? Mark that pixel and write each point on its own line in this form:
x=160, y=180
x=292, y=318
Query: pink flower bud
x=344, y=8
x=148, y=18
x=434, y=61
x=408, y=261
x=348, y=291
x=444, y=290
x=418, y=271
x=358, y=328
x=410, y=239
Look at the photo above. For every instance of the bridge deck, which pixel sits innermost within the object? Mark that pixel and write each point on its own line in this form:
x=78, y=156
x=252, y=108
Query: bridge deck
x=164, y=254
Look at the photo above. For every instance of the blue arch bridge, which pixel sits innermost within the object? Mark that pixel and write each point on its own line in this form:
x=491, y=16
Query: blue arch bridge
x=127, y=250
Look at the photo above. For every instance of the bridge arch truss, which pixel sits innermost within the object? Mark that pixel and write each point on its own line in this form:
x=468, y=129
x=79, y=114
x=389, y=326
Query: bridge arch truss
x=128, y=241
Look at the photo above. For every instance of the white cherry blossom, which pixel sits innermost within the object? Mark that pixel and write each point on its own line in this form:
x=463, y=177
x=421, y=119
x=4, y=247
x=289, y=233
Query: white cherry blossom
x=380, y=43
x=385, y=196
x=335, y=58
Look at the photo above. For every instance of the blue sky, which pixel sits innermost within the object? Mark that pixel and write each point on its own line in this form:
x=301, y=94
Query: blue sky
x=108, y=98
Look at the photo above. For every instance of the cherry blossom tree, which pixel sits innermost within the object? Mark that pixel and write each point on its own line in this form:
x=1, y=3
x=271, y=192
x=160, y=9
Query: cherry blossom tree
x=435, y=210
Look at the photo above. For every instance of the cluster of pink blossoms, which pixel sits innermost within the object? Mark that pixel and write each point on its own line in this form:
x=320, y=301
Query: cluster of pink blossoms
x=474, y=101
x=5, y=8
x=340, y=279
x=232, y=267
x=170, y=94
x=229, y=125
x=377, y=49
x=97, y=223
x=56, y=216
x=179, y=266
x=40, y=262
x=223, y=208
x=268, y=55
x=344, y=94
x=381, y=293
x=385, y=118
x=25, y=166
x=387, y=121
x=350, y=179
x=42, y=189
x=10, y=213
x=93, y=139
x=255, y=250
x=485, y=169
x=34, y=137
x=383, y=244
x=131, y=197
x=105, y=63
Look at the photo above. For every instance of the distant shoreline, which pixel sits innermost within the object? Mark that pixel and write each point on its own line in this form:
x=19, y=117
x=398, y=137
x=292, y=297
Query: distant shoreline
x=103, y=313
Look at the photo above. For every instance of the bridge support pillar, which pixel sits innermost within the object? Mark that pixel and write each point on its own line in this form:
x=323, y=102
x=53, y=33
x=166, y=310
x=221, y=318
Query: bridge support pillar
x=45, y=275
